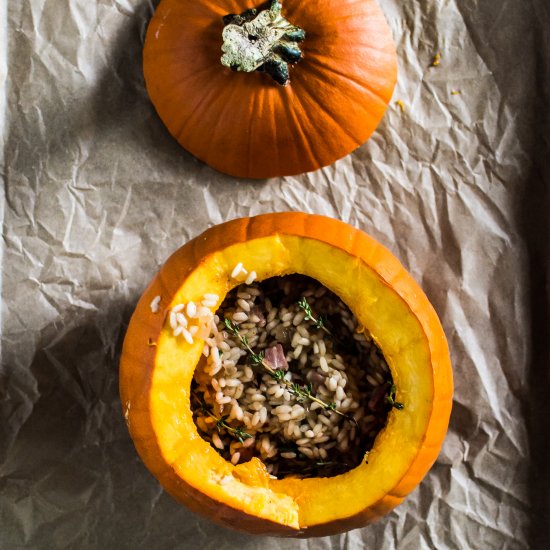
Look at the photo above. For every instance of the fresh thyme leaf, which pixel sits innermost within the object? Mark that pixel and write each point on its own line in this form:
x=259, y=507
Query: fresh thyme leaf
x=221, y=422
x=390, y=399
x=303, y=304
x=278, y=375
x=231, y=326
x=240, y=434
x=317, y=322
x=298, y=391
x=256, y=358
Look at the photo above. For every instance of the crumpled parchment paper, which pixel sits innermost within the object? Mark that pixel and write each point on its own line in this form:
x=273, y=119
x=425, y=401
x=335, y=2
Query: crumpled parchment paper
x=97, y=195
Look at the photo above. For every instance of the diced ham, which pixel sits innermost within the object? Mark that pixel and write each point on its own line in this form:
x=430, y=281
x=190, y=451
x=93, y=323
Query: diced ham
x=258, y=312
x=316, y=379
x=275, y=356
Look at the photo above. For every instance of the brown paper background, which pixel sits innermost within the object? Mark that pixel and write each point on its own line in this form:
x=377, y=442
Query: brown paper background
x=97, y=194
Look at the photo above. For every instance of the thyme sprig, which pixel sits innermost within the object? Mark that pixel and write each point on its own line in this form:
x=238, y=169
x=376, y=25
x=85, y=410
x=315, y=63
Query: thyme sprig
x=238, y=433
x=390, y=399
x=318, y=322
x=302, y=392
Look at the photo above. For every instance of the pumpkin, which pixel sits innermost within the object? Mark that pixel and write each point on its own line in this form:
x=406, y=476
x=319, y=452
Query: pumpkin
x=335, y=58
x=157, y=368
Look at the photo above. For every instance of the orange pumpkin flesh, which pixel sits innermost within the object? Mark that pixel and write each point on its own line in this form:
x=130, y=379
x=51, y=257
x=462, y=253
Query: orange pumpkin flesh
x=244, y=124
x=155, y=380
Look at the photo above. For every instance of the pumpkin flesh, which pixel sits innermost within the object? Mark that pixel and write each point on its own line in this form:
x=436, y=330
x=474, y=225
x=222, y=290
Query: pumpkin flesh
x=414, y=349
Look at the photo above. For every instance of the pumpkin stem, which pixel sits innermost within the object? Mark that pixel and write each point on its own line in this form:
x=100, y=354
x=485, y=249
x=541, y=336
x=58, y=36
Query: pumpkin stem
x=261, y=41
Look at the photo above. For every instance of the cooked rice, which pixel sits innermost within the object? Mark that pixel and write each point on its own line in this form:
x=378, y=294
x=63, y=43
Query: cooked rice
x=292, y=436
x=155, y=304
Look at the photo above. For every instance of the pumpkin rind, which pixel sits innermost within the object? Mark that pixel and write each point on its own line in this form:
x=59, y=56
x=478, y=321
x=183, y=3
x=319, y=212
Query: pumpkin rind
x=244, y=124
x=278, y=242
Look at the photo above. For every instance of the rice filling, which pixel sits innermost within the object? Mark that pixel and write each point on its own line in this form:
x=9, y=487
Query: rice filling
x=289, y=376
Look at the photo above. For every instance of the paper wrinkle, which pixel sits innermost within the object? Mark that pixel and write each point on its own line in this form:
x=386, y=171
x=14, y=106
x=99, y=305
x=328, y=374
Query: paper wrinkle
x=98, y=195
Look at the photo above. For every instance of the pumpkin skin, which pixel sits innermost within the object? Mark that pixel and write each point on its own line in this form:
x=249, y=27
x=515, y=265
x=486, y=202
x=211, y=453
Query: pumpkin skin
x=156, y=370
x=244, y=124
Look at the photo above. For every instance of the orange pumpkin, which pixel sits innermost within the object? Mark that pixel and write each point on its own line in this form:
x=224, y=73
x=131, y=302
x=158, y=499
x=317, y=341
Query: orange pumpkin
x=247, y=125
x=157, y=369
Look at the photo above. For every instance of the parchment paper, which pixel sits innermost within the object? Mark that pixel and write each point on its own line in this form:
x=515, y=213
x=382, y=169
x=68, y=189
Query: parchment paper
x=97, y=195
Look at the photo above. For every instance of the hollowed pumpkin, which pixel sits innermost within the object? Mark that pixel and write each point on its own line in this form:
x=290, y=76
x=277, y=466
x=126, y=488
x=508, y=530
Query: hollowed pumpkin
x=247, y=125
x=157, y=369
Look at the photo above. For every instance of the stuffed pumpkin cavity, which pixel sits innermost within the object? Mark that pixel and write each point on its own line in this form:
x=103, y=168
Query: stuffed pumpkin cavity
x=157, y=370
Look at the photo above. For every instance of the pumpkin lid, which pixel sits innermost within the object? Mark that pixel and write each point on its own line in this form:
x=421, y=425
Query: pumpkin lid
x=337, y=58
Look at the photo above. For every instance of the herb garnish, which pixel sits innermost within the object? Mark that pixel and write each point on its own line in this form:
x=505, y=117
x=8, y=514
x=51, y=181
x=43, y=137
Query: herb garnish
x=390, y=399
x=318, y=322
x=238, y=433
x=302, y=392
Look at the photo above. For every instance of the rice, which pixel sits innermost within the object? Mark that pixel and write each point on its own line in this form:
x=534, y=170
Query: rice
x=155, y=304
x=264, y=417
x=191, y=310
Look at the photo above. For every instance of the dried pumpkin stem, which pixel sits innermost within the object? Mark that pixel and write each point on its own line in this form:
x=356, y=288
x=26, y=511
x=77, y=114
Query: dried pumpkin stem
x=261, y=41
x=301, y=392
